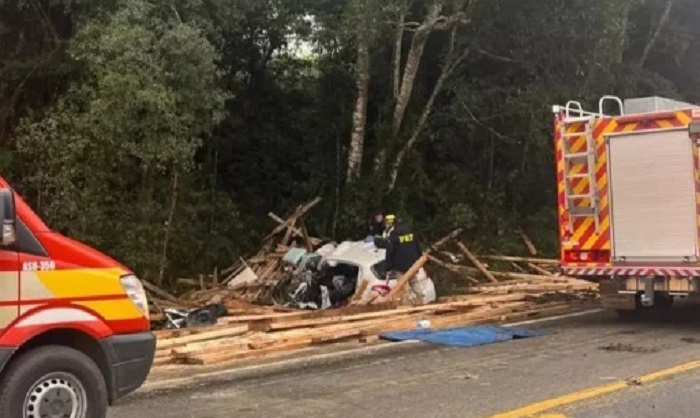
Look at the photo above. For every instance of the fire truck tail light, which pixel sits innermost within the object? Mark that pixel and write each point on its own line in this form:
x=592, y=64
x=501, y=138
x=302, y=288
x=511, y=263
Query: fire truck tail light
x=594, y=256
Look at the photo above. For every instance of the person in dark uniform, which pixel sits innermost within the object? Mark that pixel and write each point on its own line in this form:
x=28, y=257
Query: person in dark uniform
x=403, y=249
x=402, y=252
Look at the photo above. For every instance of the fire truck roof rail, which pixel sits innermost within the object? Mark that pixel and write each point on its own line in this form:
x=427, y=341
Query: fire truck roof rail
x=601, y=104
x=573, y=110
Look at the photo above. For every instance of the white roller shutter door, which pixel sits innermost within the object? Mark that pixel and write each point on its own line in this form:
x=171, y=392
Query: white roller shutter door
x=652, y=190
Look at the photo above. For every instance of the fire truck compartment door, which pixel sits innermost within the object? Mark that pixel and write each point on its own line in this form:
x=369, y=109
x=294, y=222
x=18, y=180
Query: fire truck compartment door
x=652, y=197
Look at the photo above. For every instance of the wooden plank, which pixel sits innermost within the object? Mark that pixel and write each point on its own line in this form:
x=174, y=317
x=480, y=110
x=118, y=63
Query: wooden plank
x=452, y=268
x=163, y=361
x=540, y=269
x=225, y=332
x=543, y=261
x=183, y=332
x=520, y=310
x=476, y=262
x=272, y=317
x=225, y=344
x=503, y=275
x=300, y=212
x=221, y=357
x=358, y=317
x=290, y=227
x=305, y=234
x=479, y=300
x=528, y=242
x=337, y=336
x=299, y=232
x=356, y=329
x=447, y=238
x=361, y=289
x=407, y=276
x=517, y=267
x=537, y=288
x=348, y=330
x=163, y=294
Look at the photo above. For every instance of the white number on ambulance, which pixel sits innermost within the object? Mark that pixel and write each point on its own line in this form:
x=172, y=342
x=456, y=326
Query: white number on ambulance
x=39, y=265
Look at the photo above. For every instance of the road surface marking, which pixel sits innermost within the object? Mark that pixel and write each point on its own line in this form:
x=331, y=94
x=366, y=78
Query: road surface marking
x=595, y=392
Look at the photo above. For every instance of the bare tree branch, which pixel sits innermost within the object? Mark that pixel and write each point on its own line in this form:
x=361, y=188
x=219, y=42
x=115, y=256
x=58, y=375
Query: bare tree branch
x=476, y=120
x=501, y=57
x=168, y=229
x=655, y=36
x=447, y=71
x=420, y=37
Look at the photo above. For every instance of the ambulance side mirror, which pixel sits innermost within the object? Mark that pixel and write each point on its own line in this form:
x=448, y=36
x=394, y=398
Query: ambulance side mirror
x=7, y=217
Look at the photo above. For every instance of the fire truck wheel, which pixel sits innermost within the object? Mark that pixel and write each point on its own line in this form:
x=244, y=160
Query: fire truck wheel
x=53, y=381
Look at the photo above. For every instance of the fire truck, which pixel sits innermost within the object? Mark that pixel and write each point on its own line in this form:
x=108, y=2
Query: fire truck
x=74, y=325
x=629, y=199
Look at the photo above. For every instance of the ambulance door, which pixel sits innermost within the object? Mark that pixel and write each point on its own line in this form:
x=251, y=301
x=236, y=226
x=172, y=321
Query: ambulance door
x=9, y=260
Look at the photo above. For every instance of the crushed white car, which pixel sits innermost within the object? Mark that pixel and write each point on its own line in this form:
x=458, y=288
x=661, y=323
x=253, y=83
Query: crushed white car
x=349, y=263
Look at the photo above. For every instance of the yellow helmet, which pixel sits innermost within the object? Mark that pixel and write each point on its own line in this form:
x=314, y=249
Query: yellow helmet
x=390, y=218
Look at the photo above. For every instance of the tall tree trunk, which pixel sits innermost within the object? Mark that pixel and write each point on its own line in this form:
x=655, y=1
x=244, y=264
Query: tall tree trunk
x=338, y=182
x=447, y=70
x=398, y=53
x=359, y=116
x=420, y=37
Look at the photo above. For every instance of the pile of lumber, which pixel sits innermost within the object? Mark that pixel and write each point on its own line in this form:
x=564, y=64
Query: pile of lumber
x=495, y=288
x=489, y=289
x=251, y=279
x=254, y=278
x=240, y=337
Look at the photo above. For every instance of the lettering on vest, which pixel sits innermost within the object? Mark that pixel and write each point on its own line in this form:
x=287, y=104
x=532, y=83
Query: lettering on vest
x=406, y=238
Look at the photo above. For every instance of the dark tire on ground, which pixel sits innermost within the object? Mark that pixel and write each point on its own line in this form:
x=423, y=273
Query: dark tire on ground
x=27, y=370
x=664, y=303
x=627, y=314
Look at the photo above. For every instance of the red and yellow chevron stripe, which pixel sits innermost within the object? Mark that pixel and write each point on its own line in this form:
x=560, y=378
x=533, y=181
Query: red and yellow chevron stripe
x=584, y=236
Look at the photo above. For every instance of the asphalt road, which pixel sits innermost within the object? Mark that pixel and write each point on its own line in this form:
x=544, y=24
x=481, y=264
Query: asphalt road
x=585, y=367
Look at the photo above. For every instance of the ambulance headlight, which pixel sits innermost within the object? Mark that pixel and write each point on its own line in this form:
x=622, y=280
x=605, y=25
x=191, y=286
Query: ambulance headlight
x=134, y=289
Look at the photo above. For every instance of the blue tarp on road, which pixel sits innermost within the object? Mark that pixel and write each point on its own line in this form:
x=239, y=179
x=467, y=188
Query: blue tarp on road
x=465, y=336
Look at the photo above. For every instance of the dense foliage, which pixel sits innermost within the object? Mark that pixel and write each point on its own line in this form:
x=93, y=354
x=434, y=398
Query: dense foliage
x=164, y=132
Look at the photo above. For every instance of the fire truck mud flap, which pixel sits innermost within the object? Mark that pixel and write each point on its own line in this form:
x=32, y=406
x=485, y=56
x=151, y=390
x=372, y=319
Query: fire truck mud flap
x=130, y=358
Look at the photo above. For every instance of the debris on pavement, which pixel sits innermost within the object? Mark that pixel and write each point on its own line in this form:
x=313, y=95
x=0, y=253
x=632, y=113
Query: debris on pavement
x=627, y=348
x=263, y=307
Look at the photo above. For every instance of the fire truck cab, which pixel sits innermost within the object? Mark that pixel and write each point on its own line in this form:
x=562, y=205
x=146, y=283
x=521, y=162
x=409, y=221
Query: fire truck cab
x=629, y=199
x=74, y=325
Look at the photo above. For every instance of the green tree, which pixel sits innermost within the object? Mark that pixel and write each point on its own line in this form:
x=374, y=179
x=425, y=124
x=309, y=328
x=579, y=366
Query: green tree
x=117, y=147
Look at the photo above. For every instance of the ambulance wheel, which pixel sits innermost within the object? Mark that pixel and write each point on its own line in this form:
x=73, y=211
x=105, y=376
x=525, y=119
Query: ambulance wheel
x=53, y=381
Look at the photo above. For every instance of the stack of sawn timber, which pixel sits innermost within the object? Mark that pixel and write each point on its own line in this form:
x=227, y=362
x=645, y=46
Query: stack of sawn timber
x=249, y=280
x=253, y=278
x=259, y=336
